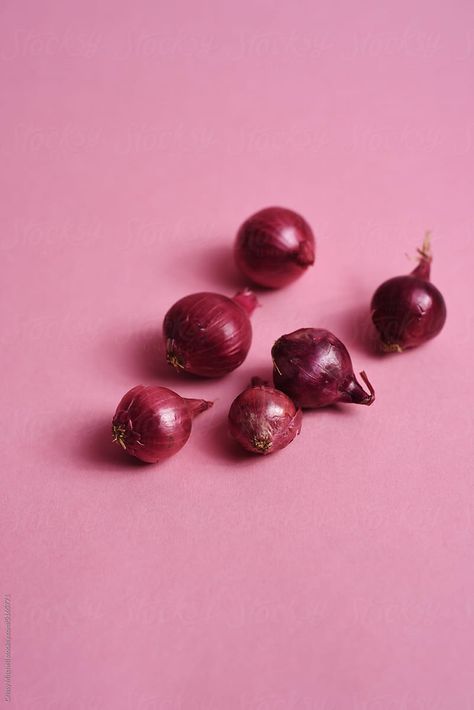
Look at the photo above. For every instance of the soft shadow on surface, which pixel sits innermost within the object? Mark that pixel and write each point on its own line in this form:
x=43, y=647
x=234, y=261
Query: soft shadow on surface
x=95, y=449
x=146, y=358
x=217, y=267
x=333, y=410
x=216, y=441
x=146, y=362
x=137, y=354
x=355, y=328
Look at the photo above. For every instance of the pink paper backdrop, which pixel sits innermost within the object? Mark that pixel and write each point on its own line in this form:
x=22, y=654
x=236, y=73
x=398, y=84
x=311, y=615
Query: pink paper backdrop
x=136, y=136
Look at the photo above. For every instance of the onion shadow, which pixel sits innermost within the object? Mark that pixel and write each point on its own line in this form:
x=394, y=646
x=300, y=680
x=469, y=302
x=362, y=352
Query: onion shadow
x=217, y=267
x=216, y=441
x=96, y=449
x=146, y=358
x=355, y=328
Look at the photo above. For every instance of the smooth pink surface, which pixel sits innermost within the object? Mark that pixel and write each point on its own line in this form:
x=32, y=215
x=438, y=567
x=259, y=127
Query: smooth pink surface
x=135, y=139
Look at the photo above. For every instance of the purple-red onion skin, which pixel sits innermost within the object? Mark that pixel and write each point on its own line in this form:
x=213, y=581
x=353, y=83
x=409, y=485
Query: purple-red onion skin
x=153, y=423
x=274, y=247
x=408, y=310
x=314, y=368
x=208, y=334
x=263, y=420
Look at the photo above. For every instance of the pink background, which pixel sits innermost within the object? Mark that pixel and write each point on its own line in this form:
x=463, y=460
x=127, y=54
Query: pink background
x=337, y=574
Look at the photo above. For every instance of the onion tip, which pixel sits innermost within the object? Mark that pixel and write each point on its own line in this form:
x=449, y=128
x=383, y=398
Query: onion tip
x=425, y=251
x=371, y=398
x=197, y=406
x=425, y=257
x=247, y=300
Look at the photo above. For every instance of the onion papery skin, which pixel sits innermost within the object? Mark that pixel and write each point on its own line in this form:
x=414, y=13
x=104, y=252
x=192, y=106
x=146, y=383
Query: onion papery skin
x=408, y=310
x=274, y=247
x=208, y=334
x=314, y=368
x=262, y=419
x=153, y=423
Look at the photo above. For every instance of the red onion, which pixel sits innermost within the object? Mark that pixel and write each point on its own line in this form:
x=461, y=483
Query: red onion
x=313, y=367
x=208, y=334
x=262, y=419
x=274, y=247
x=153, y=423
x=408, y=310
